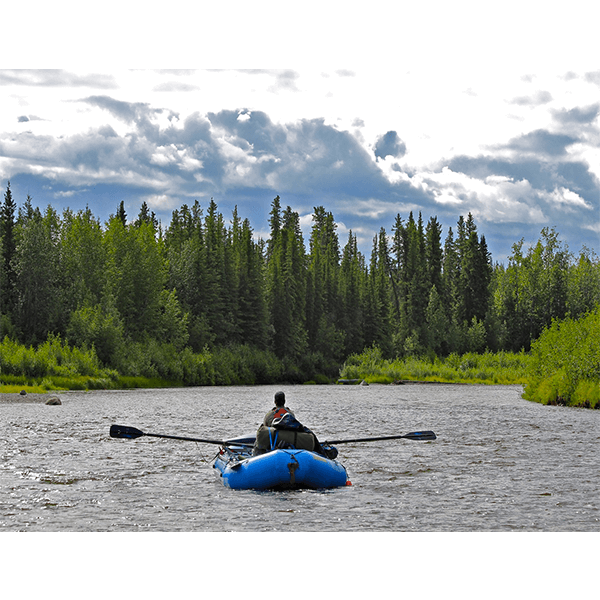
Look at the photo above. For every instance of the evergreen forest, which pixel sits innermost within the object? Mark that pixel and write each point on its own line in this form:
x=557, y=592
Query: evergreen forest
x=204, y=301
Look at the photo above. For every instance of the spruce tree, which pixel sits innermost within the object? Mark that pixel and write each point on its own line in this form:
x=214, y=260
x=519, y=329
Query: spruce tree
x=38, y=308
x=9, y=244
x=249, y=264
x=322, y=302
x=286, y=284
x=380, y=296
x=451, y=290
x=416, y=280
x=352, y=286
x=145, y=216
x=434, y=253
x=218, y=282
x=121, y=214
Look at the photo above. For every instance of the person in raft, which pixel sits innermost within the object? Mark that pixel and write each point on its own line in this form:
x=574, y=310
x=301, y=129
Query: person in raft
x=277, y=411
x=281, y=429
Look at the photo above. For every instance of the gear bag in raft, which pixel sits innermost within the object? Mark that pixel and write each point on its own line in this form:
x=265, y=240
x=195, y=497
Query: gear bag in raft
x=287, y=432
x=288, y=424
x=269, y=438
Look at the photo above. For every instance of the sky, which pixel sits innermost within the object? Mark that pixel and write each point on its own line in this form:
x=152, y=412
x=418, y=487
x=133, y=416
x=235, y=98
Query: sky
x=441, y=109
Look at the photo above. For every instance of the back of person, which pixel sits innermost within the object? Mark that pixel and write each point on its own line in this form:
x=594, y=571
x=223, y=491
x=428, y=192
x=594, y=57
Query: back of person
x=277, y=411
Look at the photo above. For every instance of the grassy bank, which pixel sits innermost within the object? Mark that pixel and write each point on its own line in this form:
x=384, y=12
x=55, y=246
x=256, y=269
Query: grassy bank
x=502, y=368
x=52, y=366
x=55, y=365
x=562, y=368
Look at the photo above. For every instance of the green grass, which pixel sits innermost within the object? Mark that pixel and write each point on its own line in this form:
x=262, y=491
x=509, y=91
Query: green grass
x=502, y=368
x=15, y=389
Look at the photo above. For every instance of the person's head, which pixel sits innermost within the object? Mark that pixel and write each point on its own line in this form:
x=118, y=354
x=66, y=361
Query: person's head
x=279, y=399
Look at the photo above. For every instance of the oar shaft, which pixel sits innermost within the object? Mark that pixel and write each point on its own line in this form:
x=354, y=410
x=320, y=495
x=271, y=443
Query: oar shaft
x=417, y=435
x=185, y=439
x=121, y=431
x=191, y=439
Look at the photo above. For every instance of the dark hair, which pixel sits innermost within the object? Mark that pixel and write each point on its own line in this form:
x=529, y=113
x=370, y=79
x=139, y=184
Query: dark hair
x=279, y=399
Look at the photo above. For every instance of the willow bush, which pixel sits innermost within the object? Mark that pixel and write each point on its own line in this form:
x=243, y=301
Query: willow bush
x=52, y=365
x=565, y=365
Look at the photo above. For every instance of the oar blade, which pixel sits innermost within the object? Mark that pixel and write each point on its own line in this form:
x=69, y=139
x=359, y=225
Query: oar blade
x=122, y=431
x=423, y=436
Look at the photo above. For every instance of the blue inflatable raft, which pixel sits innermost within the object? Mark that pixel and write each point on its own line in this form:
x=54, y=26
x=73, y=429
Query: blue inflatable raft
x=278, y=469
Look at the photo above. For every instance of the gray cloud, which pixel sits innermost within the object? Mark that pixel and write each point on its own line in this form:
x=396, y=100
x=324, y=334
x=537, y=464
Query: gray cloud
x=577, y=115
x=540, y=97
x=125, y=111
x=390, y=144
x=593, y=77
x=285, y=80
x=542, y=176
x=542, y=142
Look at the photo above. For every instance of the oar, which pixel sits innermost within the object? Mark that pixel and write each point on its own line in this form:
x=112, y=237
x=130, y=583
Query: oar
x=416, y=435
x=121, y=431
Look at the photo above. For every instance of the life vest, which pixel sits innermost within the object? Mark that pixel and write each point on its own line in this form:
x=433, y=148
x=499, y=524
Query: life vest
x=280, y=412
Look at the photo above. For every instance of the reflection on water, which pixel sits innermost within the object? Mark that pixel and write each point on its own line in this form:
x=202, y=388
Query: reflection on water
x=499, y=463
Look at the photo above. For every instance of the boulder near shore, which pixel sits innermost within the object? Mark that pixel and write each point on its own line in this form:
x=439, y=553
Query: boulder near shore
x=25, y=398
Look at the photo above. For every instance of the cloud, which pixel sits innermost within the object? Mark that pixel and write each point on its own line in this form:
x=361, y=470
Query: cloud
x=390, y=144
x=569, y=199
x=216, y=153
x=175, y=86
x=345, y=73
x=282, y=79
x=139, y=152
x=28, y=118
x=593, y=77
x=285, y=80
x=577, y=115
x=540, y=97
x=575, y=175
x=55, y=78
x=125, y=111
x=541, y=142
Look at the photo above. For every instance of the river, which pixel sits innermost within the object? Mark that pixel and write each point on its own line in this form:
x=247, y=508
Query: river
x=500, y=463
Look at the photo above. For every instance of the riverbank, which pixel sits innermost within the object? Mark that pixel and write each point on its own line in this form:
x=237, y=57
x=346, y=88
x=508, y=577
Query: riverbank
x=556, y=385
x=548, y=377
x=25, y=398
x=501, y=368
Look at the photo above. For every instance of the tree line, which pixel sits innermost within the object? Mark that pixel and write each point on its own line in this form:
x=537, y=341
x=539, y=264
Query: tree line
x=205, y=282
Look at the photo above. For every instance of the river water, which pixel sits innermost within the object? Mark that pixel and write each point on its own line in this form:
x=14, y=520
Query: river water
x=500, y=463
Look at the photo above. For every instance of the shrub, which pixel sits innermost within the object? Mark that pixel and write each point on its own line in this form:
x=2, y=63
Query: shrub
x=565, y=365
